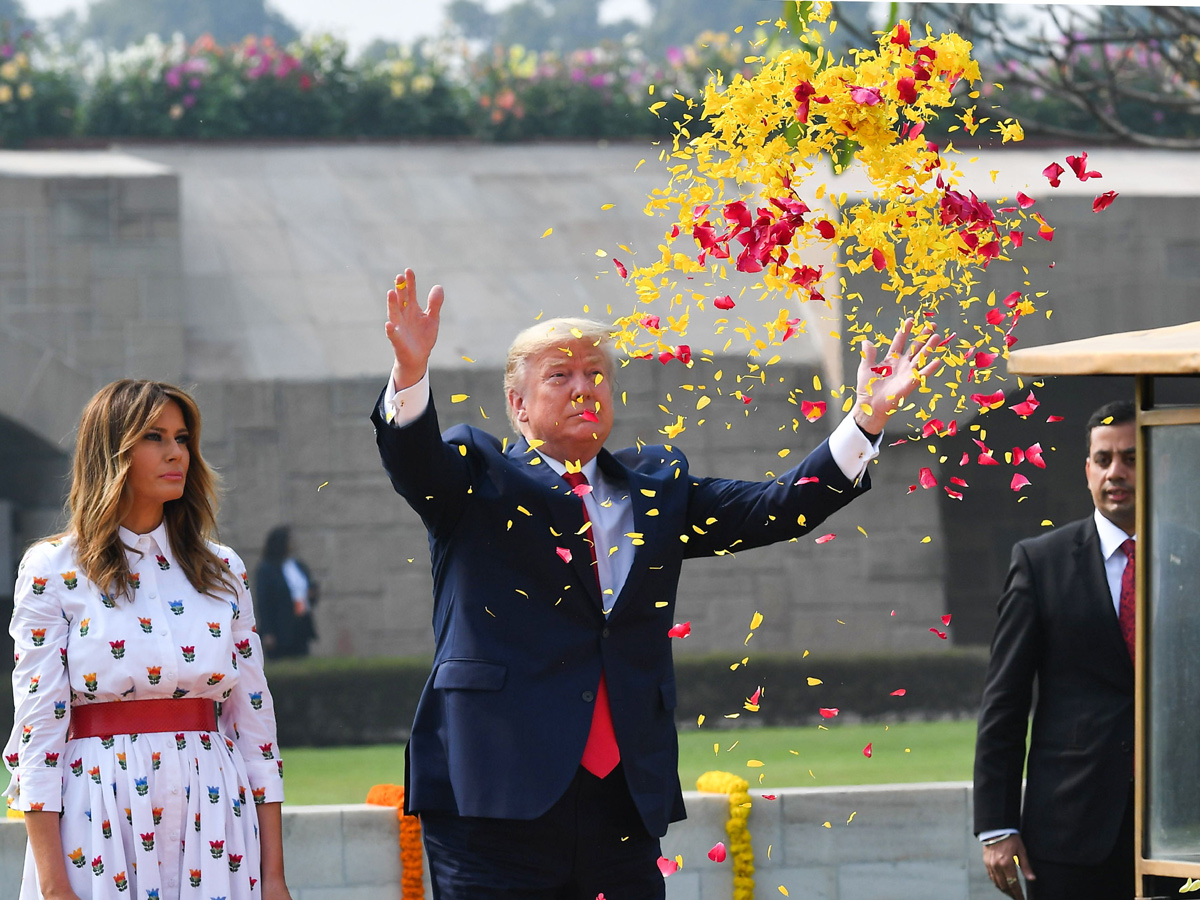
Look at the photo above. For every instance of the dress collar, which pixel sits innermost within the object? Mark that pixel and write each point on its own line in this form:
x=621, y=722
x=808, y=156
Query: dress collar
x=1111, y=536
x=154, y=542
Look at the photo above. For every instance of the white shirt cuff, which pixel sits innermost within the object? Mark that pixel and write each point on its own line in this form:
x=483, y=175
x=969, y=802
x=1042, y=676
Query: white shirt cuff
x=995, y=833
x=851, y=449
x=402, y=407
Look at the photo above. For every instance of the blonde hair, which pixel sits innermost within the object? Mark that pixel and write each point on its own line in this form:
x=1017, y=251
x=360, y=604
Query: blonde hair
x=553, y=333
x=111, y=425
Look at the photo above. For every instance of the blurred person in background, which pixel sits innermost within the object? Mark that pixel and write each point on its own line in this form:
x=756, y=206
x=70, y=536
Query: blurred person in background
x=286, y=596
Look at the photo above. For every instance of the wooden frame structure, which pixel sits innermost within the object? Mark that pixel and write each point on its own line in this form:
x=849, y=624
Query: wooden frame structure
x=1145, y=355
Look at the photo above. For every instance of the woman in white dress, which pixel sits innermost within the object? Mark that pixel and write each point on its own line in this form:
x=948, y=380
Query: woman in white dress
x=142, y=713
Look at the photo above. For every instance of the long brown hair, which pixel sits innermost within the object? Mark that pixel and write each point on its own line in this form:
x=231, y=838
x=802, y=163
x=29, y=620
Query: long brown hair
x=112, y=423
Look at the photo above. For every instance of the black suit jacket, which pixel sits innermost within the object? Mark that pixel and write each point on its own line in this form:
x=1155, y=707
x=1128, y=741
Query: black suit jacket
x=520, y=635
x=1057, y=624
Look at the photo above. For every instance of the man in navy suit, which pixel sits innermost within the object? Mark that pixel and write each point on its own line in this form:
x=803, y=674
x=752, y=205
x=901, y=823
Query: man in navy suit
x=1066, y=617
x=543, y=756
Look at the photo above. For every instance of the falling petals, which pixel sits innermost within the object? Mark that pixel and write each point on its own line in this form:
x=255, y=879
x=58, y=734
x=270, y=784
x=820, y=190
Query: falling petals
x=878, y=260
x=563, y=553
x=717, y=853
x=1052, y=172
x=867, y=96
x=940, y=634
x=1024, y=200
x=867, y=751
x=807, y=479
x=900, y=692
x=926, y=478
x=580, y=490
x=681, y=630
x=826, y=538
x=982, y=360
x=1104, y=201
x=946, y=619
x=725, y=302
x=995, y=316
x=1034, y=455
x=1026, y=407
x=621, y=270
x=990, y=401
x=588, y=416
x=1078, y=165
x=827, y=229
x=668, y=867
x=1050, y=419
x=1018, y=481
x=828, y=712
x=812, y=410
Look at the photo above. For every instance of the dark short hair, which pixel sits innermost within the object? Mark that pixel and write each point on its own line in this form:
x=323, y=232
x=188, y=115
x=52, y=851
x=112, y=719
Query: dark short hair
x=276, y=548
x=1115, y=412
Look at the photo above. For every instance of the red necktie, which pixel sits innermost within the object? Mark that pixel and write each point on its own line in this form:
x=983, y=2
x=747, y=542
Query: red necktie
x=600, y=755
x=1127, y=614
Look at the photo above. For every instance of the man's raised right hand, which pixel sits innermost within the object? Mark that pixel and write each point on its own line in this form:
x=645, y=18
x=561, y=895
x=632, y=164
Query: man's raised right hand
x=412, y=331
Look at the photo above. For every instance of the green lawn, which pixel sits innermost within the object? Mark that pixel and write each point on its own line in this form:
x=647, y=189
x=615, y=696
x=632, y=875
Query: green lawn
x=791, y=757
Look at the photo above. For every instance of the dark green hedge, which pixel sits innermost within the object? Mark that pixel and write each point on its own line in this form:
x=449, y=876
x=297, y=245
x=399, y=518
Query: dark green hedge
x=331, y=702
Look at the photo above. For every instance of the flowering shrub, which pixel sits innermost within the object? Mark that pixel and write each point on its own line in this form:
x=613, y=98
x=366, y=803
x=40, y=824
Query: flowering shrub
x=36, y=99
x=254, y=88
x=257, y=88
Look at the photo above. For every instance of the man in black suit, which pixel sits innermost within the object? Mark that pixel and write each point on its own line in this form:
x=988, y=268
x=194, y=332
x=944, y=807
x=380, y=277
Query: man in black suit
x=1066, y=617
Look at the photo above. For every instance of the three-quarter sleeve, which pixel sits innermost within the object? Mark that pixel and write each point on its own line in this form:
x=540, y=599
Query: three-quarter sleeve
x=248, y=714
x=36, y=749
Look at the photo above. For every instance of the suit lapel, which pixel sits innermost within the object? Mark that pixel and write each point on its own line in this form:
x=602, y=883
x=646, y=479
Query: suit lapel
x=1093, y=583
x=566, y=518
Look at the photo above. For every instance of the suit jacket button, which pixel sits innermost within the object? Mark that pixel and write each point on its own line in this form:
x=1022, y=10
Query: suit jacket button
x=588, y=696
x=604, y=633
x=1126, y=746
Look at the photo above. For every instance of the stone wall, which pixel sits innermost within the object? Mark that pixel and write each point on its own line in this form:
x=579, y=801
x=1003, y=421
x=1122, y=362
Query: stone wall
x=900, y=841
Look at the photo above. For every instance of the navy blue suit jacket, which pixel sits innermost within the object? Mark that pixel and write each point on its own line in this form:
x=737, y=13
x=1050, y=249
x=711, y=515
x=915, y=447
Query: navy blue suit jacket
x=520, y=635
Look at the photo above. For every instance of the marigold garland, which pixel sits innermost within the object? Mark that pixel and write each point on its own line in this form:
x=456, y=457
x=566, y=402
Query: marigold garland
x=740, y=848
x=412, y=862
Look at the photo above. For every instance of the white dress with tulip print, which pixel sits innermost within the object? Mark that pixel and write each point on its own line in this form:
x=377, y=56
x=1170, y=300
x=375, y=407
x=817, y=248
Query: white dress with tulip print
x=150, y=816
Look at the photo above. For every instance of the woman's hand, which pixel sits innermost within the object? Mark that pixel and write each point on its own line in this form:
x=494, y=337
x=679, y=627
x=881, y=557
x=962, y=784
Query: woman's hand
x=274, y=888
x=412, y=331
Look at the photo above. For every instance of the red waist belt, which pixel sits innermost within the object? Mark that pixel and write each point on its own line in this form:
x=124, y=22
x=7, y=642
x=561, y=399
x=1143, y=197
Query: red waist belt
x=141, y=717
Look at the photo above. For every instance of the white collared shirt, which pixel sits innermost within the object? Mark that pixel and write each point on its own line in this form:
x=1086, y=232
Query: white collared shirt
x=1111, y=538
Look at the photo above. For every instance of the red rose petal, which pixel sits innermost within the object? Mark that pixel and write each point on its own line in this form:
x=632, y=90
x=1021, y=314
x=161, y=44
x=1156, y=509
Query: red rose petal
x=826, y=538
x=867, y=751
x=681, y=630
x=1018, y=481
x=1104, y=201
x=899, y=693
x=828, y=713
x=717, y=853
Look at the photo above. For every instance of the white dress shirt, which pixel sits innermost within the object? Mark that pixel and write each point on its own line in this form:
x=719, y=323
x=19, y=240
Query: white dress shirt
x=608, y=504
